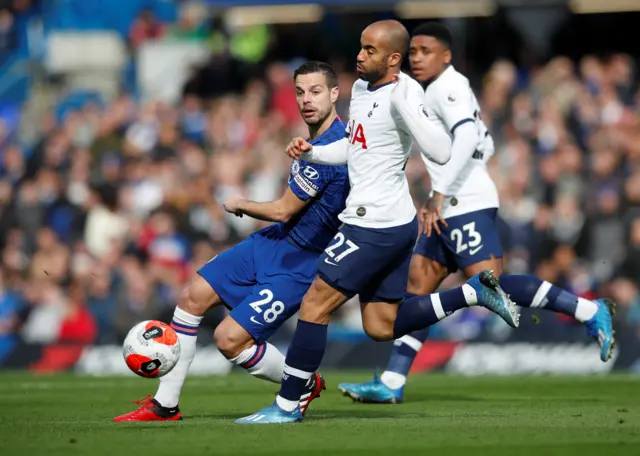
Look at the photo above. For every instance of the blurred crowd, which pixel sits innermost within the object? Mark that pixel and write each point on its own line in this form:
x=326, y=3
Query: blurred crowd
x=105, y=219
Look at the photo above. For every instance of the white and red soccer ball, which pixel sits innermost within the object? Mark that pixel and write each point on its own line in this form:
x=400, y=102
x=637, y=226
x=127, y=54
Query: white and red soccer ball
x=151, y=349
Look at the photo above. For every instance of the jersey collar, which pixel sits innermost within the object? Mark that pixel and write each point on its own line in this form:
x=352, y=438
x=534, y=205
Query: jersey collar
x=373, y=89
x=428, y=83
x=333, y=125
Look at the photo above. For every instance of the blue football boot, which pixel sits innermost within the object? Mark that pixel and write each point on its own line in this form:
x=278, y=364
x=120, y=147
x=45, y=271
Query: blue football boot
x=492, y=297
x=272, y=415
x=373, y=392
x=600, y=327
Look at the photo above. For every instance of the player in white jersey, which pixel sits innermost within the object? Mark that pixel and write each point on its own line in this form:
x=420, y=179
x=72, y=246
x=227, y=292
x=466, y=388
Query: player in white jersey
x=459, y=222
x=371, y=253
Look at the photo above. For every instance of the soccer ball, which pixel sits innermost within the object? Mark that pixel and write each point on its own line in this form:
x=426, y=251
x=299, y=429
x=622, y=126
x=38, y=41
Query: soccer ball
x=151, y=349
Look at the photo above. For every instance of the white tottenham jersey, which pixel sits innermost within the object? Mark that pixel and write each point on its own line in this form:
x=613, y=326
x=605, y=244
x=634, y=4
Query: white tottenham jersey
x=451, y=102
x=376, y=148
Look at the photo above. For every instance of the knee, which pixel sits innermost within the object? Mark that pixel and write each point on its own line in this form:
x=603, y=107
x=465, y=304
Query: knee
x=230, y=343
x=197, y=298
x=379, y=331
x=378, y=324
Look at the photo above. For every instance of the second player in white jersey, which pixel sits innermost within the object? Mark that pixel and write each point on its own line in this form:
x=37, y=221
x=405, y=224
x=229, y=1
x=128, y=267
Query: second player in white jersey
x=465, y=181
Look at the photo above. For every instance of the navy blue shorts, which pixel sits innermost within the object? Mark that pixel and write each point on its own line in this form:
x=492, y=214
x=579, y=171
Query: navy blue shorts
x=262, y=280
x=373, y=263
x=469, y=239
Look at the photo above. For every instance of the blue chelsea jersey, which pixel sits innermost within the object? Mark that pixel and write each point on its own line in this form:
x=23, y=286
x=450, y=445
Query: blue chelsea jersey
x=327, y=186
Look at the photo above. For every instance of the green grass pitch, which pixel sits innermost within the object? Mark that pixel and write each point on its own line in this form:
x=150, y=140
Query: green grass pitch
x=442, y=416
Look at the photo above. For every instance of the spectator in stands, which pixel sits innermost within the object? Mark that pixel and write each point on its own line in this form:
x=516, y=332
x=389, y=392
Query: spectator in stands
x=627, y=293
x=136, y=297
x=8, y=33
x=191, y=25
x=631, y=265
x=75, y=328
x=604, y=233
x=106, y=228
x=13, y=165
x=51, y=259
x=145, y=28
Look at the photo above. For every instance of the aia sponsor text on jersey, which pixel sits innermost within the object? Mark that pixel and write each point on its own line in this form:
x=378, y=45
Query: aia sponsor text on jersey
x=357, y=134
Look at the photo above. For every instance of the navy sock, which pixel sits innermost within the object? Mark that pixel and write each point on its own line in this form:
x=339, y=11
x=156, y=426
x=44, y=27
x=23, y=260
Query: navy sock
x=530, y=291
x=303, y=358
x=422, y=311
x=406, y=348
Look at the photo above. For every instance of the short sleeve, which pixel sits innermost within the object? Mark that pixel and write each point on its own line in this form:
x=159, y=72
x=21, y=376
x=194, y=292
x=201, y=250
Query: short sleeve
x=306, y=180
x=454, y=106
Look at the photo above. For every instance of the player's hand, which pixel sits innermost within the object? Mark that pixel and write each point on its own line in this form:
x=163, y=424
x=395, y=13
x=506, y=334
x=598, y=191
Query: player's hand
x=233, y=205
x=432, y=214
x=399, y=89
x=297, y=147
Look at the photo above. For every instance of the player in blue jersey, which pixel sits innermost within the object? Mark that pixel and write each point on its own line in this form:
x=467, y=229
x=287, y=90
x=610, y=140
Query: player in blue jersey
x=263, y=279
x=460, y=223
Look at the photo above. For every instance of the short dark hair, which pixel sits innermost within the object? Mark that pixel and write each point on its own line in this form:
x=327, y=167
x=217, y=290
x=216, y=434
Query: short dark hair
x=315, y=66
x=437, y=30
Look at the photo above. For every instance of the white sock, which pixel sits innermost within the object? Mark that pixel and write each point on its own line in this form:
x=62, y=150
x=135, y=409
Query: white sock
x=186, y=326
x=286, y=404
x=393, y=380
x=585, y=310
x=262, y=361
x=470, y=295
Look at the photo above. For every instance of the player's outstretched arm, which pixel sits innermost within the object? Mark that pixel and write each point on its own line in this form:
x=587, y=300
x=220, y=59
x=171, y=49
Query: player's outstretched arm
x=408, y=99
x=334, y=153
x=280, y=210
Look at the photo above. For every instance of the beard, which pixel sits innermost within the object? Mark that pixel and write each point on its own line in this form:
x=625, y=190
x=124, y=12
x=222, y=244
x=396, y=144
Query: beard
x=374, y=74
x=318, y=118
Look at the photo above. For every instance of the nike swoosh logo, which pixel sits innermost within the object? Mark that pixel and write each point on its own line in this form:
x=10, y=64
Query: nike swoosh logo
x=476, y=250
x=326, y=260
x=253, y=319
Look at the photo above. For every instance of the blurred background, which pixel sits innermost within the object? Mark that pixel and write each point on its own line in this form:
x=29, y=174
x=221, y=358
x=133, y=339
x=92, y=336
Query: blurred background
x=124, y=124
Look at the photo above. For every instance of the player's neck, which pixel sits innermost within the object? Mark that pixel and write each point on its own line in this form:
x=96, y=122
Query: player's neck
x=317, y=130
x=388, y=79
x=426, y=83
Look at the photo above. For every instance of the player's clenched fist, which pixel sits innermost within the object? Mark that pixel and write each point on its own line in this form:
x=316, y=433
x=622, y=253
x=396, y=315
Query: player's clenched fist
x=233, y=205
x=297, y=147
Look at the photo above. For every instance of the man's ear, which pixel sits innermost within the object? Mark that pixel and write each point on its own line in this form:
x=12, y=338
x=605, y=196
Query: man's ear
x=395, y=59
x=447, y=56
x=335, y=93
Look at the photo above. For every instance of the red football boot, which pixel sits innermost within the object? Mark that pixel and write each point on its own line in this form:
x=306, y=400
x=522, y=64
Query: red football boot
x=151, y=410
x=312, y=391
